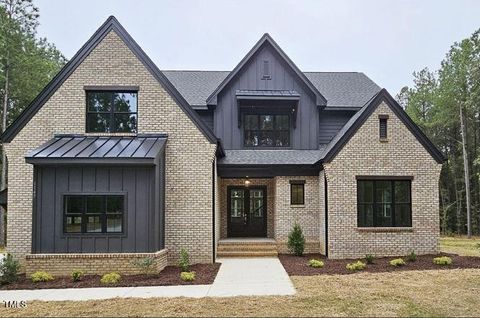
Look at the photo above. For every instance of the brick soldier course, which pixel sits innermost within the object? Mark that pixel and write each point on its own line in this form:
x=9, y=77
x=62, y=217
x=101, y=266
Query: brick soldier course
x=196, y=178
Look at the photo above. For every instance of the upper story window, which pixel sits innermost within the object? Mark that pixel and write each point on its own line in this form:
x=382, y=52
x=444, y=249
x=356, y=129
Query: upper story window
x=111, y=112
x=266, y=130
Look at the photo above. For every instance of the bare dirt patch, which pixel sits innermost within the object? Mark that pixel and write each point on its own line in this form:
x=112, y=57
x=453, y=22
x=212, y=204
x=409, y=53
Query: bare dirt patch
x=205, y=274
x=298, y=265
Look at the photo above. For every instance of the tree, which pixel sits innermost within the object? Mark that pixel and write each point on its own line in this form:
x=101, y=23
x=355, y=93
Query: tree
x=26, y=65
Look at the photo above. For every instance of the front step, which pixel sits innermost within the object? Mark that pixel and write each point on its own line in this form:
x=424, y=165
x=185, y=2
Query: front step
x=247, y=248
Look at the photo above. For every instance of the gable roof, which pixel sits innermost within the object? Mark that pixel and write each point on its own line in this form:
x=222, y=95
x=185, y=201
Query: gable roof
x=341, y=89
x=356, y=121
x=266, y=38
x=111, y=24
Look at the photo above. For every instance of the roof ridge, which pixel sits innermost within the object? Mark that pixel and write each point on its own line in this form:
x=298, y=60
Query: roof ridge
x=194, y=71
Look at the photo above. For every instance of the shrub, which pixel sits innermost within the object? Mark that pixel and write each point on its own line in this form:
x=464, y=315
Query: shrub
x=296, y=240
x=146, y=264
x=187, y=276
x=77, y=275
x=397, y=262
x=110, y=279
x=369, y=258
x=412, y=257
x=9, y=270
x=478, y=245
x=315, y=263
x=443, y=260
x=356, y=266
x=184, y=262
x=41, y=277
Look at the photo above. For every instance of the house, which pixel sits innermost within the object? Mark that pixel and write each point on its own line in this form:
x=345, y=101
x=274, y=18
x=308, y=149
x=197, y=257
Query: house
x=116, y=161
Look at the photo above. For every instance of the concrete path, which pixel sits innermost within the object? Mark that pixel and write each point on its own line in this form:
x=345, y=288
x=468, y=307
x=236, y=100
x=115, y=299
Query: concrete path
x=236, y=277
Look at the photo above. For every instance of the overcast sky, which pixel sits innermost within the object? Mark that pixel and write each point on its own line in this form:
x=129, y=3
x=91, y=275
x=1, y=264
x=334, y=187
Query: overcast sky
x=387, y=40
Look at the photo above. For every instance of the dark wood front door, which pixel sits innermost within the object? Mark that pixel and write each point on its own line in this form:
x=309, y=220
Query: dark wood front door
x=247, y=212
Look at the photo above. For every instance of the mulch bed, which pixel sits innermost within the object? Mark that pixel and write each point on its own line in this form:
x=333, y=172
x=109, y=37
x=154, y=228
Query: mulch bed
x=204, y=273
x=298, y=265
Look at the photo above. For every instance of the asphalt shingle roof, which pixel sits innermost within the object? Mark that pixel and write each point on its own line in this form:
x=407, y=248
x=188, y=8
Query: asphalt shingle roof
x=271, y=157
x=341, y=89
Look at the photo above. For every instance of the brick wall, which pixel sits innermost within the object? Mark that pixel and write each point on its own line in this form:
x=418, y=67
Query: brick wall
x=189, y=155
x=307, y=215
x=400, y=155
x=64, y=264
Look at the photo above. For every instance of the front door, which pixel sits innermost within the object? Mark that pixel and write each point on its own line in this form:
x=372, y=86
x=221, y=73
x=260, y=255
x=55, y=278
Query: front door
x=247, y=209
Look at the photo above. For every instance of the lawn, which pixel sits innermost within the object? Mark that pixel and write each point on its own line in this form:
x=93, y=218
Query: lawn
x=460, y=245
x=413, y=293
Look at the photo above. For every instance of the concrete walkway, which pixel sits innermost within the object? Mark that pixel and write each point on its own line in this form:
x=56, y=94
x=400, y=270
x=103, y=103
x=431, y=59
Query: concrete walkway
x=236, y=277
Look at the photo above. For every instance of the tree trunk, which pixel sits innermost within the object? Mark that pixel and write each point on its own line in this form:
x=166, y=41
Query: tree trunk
x=3, y=178
x=467, y=173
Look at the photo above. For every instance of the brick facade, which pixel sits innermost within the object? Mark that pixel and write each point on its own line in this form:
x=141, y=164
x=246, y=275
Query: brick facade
x=189, y=155
x=306, y=215
x=64, y=264
x=400, y=155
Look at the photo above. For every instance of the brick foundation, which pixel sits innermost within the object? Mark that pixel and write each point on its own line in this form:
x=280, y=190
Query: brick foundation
x=64, y=264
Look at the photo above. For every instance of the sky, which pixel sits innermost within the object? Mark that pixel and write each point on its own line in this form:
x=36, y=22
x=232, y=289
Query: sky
x=386, y=40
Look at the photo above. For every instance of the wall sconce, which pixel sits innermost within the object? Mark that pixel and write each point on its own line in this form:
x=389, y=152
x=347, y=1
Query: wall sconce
x=247, y=182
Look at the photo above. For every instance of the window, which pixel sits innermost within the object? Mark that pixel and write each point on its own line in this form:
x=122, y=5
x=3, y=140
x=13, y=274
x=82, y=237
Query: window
x=383, y=126
x=267, y=130
x=94, y=213
x=297, y=192
x=384, y=203
x=111, y=112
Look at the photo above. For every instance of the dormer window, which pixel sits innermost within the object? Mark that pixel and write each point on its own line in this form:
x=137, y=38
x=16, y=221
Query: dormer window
x=267, y=130
x=382, y=121
x=111, y=111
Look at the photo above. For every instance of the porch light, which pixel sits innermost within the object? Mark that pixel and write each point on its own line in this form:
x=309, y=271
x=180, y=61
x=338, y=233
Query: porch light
x=247, y=182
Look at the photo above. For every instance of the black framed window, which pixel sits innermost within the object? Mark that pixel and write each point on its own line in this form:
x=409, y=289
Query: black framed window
x=112, y=111
x=297, y=192
x=94, y=213
x=384, y=203
x=266, y=130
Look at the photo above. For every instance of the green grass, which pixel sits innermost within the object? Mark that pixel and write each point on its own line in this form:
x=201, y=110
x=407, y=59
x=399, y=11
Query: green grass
x=460, y=245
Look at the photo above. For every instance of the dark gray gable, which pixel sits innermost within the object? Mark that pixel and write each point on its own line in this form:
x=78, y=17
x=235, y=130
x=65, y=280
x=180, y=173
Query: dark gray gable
x=110, y=24
x=361, y=116
x=266, y=38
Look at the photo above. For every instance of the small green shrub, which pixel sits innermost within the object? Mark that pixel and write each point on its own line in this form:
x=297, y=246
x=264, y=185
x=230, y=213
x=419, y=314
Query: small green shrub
x=184, y=262
x=146, y=265
x=442, y=260
x=110, y=279
x=315, y=263
x=187, y=276
x=356, y=266
x=397, y=262
x=412, y=257
x=9, y=269
x=41, y=277
x=296, y=240
x=77, y=275
x=369, y=258
x=478, y=245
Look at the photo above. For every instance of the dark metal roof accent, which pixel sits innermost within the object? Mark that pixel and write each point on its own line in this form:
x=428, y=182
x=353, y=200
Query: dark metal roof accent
x=343, y=90
x=267, y=171
x=111, y=24
x=267, y=94
x=80, y=149
x=270, y=157
x=266, y=38
x=361, y=116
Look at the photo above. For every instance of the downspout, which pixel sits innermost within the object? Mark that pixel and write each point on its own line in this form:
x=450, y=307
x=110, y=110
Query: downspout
x=213, y=210
x=326, y=212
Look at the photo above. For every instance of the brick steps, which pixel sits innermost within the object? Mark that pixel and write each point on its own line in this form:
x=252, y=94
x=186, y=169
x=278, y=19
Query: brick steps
x=247, y=248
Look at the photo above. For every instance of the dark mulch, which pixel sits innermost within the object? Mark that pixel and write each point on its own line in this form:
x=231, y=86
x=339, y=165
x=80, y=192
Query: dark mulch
x=298, y=266
x=204, y=273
